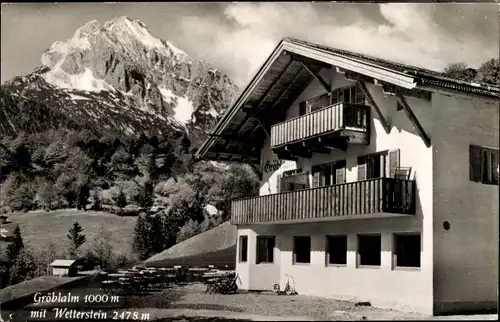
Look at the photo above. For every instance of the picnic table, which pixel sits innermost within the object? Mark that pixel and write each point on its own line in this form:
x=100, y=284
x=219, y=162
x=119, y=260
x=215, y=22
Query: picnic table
x=225, y=283
x=109, y=286
x=117, y=275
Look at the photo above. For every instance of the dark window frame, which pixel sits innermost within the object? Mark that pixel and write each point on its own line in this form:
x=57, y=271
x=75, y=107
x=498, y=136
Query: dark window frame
x=288, y=182
x=482, y=166
x=397, y=248
x=243, y=250
x=356, y=95
x=328, y=251
x=296, y=245
x=338, y=95
x=362, y=250
x=269, y=252
x=308, y=106
x=369, y=161
x=330, y=168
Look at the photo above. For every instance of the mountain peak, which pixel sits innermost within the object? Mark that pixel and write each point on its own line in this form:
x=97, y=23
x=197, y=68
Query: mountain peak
x=128, y=30
x=119, y=70
x=90, y=28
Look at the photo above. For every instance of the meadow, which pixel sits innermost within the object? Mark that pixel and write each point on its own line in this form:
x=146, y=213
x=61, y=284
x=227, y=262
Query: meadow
x=42, y=228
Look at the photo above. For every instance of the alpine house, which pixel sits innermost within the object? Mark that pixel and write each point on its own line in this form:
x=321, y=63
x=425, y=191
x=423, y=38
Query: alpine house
x=379, y=181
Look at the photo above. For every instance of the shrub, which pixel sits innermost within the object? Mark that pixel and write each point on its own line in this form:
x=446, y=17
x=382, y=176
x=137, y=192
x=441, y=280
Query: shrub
x=190, y=229
x=102, y=248
x=24, y=267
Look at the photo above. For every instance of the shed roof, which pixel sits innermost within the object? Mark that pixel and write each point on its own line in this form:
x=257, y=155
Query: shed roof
x=216, y=246
x=63, y=262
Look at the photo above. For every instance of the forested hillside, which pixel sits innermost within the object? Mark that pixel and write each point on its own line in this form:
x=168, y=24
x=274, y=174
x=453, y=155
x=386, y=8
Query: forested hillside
x=154, y=178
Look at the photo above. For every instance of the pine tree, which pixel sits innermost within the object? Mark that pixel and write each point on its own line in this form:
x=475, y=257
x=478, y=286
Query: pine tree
x=121, y=200
x=15, y=246
x=141, y=238
x=83, y=196
x=146, y=197
x=76, y=239
x=158, y=235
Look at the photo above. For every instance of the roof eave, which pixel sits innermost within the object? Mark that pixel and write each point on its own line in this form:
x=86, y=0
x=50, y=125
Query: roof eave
x=229, y=114
x=365, y=68
x=435, y=88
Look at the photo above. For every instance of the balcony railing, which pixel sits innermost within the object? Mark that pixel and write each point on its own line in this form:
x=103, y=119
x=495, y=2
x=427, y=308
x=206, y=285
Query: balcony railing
x=328, y=119
x=373, y=196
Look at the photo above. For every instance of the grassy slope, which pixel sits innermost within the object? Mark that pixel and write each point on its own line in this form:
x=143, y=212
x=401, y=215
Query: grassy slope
x=41, y=228
x=38, y=284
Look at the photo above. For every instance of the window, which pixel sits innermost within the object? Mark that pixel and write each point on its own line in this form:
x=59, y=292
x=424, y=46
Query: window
x=350, y=94
x=369, y=250
x=243, y=248
x=372, y=166
x=329, y=174
x=336, y=250
x=292, y=172
x=483, y=165
x=294, y=180
x=314, y=104
x=265, y=249
x=301, y=249
x=407, y=250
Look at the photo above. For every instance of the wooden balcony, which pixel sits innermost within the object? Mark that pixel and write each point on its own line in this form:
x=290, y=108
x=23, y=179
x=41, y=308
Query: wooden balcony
x=331, y=127
x=382, y=197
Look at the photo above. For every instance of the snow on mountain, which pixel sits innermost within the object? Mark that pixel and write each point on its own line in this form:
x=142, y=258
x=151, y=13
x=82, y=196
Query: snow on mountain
x=78, y=97
x=183, y=112
x=119, y=77
x=168, y=95
x=84, y=81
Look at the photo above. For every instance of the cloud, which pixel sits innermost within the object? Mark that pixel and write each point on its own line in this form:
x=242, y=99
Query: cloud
x=425, y=35
x=238, y=37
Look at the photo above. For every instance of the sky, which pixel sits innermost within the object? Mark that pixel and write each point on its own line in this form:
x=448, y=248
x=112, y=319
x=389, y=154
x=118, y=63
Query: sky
x=238, y=37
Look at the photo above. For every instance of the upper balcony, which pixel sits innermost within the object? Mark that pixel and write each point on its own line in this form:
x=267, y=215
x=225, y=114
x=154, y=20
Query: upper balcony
x=381, y=197
x=331, y=127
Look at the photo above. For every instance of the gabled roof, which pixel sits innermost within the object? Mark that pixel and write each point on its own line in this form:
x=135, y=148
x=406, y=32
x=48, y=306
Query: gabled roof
x=7, y=229
x=63, y=262
x=240, y=132
x=4, y=233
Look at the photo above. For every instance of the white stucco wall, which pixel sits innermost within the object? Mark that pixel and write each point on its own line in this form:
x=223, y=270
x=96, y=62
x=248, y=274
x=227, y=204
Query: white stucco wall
x=269, y=182
x=466, y=256
x=405, y=289
x=60, y=271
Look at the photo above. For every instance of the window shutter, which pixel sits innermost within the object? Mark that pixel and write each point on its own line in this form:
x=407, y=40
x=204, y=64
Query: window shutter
x=281, y=184
x=340, y=175
x=362, y=167
x=360, y=95
x=302, y=108
x=494, y=166
x=315, y=179
x=475, y=163
x=393, y=162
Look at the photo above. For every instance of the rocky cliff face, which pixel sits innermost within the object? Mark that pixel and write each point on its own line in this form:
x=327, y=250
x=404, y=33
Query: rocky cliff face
x=119, y=78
